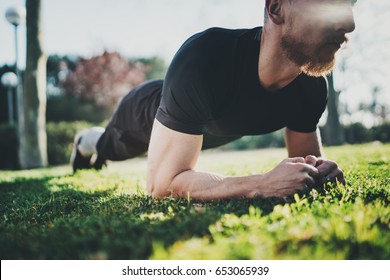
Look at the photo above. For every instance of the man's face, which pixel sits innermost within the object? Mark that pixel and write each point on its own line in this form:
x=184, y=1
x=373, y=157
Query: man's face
x=314, y=31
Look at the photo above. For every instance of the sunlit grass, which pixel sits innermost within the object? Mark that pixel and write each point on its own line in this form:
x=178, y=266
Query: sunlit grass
x=52, y=214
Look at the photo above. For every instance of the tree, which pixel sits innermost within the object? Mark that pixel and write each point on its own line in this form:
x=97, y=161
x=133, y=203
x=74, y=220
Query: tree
x=104, y=79
x=334, y=132
x=362, y=74
x=33, y=143
x=156, y=68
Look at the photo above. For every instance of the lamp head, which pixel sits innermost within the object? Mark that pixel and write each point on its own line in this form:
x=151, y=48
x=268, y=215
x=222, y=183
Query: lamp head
x=9, y=79
x=16, y=15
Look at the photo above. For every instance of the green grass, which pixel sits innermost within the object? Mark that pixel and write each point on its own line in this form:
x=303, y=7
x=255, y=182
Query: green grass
x=50, y=214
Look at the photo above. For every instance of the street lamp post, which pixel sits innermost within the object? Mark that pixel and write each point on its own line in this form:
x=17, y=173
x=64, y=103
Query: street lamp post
x=10, y=81
x=17, y=16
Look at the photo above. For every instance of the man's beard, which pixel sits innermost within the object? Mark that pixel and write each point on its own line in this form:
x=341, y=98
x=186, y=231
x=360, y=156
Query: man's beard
x=314, y=60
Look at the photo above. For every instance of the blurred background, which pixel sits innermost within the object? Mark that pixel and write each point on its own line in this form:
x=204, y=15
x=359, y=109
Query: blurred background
x=65, y=64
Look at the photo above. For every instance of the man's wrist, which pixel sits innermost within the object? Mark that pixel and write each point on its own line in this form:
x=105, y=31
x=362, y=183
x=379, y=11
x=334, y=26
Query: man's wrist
x=257, y=186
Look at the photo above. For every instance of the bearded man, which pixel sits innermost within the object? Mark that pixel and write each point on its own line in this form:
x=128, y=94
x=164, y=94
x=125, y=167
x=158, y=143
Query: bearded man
x=223, y=84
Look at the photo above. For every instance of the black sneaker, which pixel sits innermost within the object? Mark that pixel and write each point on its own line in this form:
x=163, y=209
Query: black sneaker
x=99, y=163
x=77, y=160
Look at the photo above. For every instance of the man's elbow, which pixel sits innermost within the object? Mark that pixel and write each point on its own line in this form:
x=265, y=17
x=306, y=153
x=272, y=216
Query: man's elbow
x=160, y=186
x=158, y=189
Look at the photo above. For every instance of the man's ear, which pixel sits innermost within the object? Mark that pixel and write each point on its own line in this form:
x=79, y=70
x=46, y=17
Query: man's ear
x=274, y=10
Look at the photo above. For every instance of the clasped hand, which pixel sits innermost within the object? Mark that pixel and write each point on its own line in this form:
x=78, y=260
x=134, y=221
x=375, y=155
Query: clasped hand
x=328, y=171
x=295, y=174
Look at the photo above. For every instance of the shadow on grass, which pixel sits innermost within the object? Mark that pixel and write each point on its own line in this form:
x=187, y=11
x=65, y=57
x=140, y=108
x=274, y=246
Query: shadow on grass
x=43, y=220
x=51, y=218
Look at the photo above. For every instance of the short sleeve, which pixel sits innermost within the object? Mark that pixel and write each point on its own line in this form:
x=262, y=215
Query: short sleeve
x=313, y=105
x=182, y=108
x=193, y=80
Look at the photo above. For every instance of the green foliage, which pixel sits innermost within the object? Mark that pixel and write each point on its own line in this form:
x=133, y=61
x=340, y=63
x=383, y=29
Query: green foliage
x=89, y=89
x=63, y=108
x=59, y=143
x=8, y=147
x=156, y=68
x=274, y=139
x=354, y=134
x=49, y=214
x=60, y=138
x=381, y=132
x=357, y=133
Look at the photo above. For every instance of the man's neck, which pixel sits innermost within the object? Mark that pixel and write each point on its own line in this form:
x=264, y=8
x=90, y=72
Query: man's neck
x=275, y=70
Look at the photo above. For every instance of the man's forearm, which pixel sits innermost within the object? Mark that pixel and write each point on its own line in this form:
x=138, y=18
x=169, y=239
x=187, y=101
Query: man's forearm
x=209, y=186
x=172, y=158
x=288, y=177
x=303, y=144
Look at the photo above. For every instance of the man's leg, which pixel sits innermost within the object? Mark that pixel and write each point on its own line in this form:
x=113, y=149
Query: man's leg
x=128, y=133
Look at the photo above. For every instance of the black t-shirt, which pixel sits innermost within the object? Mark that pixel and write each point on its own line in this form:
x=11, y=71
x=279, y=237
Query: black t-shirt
x=212, y=88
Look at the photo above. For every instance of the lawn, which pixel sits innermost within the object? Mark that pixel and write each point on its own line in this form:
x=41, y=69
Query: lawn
x=51, y=214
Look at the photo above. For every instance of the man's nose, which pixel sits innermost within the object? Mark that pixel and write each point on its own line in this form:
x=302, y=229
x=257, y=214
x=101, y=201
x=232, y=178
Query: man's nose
x=344, y=20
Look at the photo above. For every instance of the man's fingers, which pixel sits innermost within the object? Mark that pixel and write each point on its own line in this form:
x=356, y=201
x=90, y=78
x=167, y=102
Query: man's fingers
x=295, y=160
x=312, y=171
x=310, y=181
x=326, y=167
x=341, y=179
x=309, y=169
x=336, y=174
x=312, y=160
x=304, y=167
x=329, y=172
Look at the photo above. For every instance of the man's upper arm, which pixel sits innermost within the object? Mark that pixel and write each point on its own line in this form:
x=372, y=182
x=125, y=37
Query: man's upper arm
x=300, y=144
x=170, y=153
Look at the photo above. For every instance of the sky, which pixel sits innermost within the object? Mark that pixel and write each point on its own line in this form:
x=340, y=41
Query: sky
x=132, y=27
x=142, y=28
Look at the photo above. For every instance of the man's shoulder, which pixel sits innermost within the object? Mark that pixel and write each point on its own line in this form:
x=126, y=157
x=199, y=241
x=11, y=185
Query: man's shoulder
x=228, y=32
x=218, y=36
x=209, y=56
